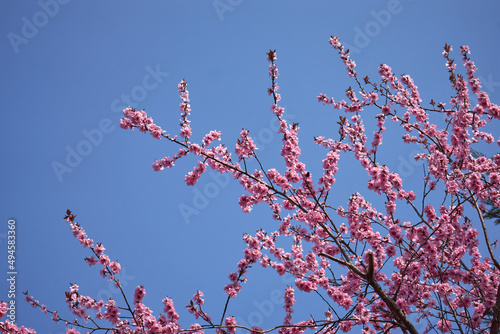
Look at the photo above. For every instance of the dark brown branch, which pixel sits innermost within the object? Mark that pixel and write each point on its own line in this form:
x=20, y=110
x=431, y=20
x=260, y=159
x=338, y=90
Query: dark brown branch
x=487, y=239
x=370, y=279
x=495, y=322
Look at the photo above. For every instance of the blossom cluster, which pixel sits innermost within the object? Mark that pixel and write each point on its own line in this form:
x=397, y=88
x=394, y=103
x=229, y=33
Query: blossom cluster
x=374, y=264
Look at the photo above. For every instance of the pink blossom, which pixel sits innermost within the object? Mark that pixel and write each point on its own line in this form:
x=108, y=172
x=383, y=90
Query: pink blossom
x=339, y=297
x=126, y=124
x=104, y=260
x=277, y=110
x=483, y=100
x=245, y=146
x=185, y=131
x=230, y=322
x=169, y=309
x=192, y=177
x=112, y=312
x=115, y=267
x=210, y=137
x=280, y=269
x=386, y=109
x=444, y=326
x=197, y=298
x=155, y=130
x=494, y=111
x=99, y=249
x=139, y=294
x=91, y=260
x=3, y=309
x=346, y=326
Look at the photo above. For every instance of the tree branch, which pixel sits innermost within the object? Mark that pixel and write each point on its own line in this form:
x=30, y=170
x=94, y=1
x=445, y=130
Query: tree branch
x=370, y=279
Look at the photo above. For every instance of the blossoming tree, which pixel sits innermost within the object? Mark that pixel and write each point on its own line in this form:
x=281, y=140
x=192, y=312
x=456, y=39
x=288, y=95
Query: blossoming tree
x=376, y=270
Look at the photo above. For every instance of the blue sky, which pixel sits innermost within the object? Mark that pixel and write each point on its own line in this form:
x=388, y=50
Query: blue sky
x=69, y=67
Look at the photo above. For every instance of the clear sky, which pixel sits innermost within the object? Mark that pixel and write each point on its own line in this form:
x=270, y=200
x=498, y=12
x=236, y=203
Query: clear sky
x=68, y=68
